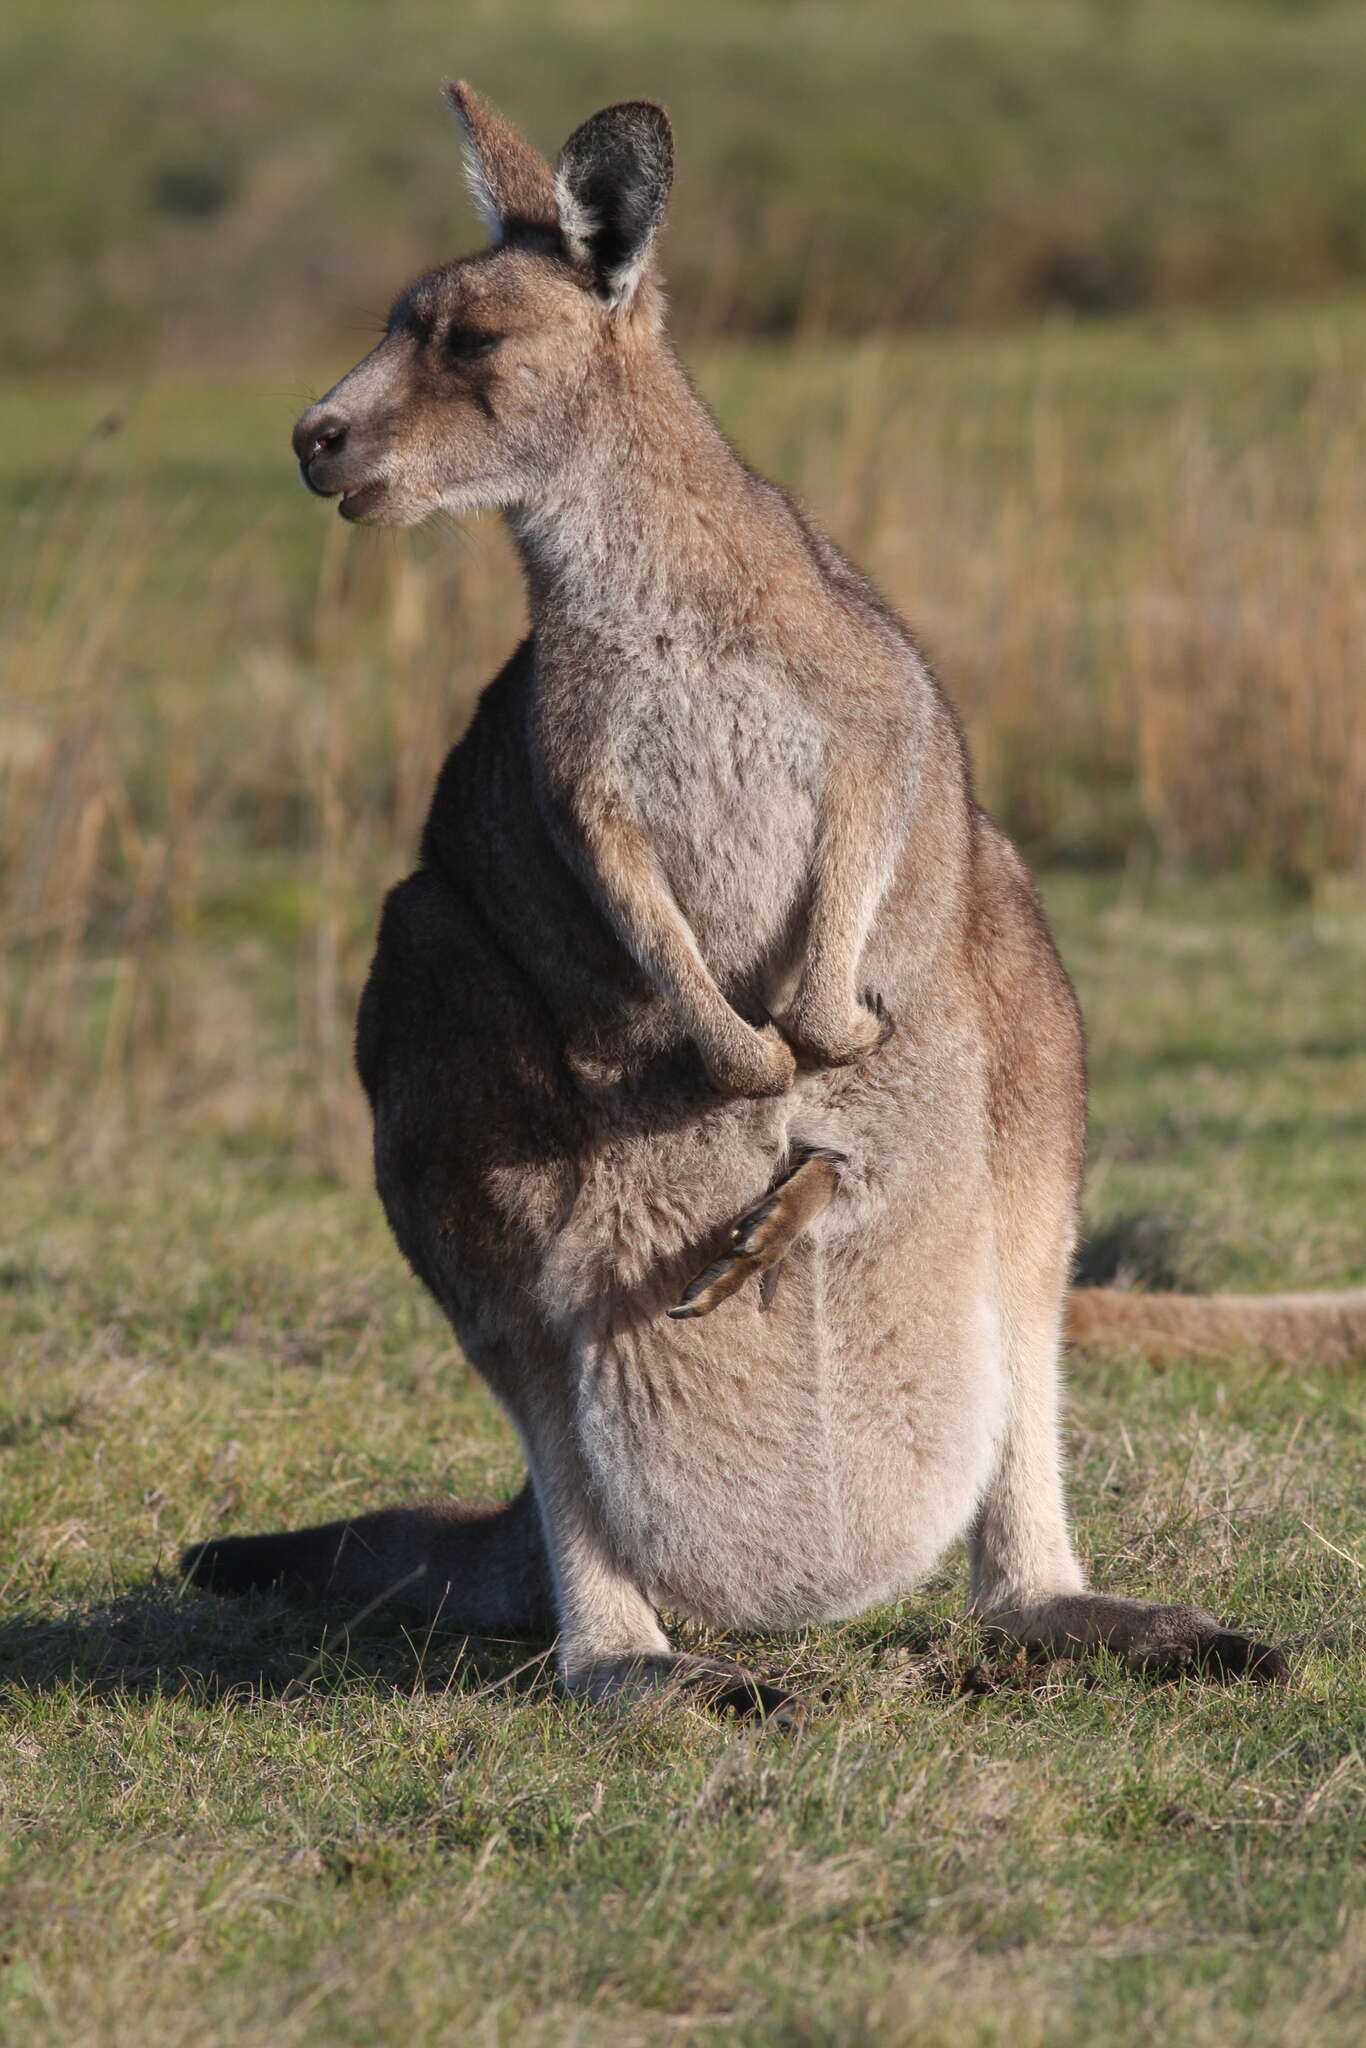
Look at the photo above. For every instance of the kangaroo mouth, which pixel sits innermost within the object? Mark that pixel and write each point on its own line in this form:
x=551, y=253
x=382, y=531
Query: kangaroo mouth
x=361, y=501
x=355, y=500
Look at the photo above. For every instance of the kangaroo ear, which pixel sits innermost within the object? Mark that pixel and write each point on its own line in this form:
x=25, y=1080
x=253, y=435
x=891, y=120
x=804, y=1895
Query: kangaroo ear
x=611, y=185
x=511, y=185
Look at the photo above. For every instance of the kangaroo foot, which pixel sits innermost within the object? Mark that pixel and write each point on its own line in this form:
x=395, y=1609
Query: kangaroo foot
x=817, y=1044
x=1166, y=1642
x=711, y=1682
x=765, y=1234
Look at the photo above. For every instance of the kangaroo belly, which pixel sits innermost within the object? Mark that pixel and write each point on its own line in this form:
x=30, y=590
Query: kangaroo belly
x=797, y=1463
x=798, y=1476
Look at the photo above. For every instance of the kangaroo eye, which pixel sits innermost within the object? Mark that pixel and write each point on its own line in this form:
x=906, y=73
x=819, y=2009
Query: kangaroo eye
x=464, y=344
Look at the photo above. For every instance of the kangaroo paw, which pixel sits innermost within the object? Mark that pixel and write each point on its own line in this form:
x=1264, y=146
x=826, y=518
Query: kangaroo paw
x=886, y=1022
x=1157, y=1640
x=765, y=1234
x=817, y=1045
x=711, y=1682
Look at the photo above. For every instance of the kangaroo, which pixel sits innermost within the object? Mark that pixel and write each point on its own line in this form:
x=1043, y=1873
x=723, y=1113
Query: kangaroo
x=712, y=971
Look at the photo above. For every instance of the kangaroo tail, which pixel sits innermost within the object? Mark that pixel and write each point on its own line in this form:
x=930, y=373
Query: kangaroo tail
x=472, y=1563
x=1290, y=1329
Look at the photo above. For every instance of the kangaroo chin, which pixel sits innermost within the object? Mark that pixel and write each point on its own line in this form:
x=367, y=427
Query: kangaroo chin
x=712, y=972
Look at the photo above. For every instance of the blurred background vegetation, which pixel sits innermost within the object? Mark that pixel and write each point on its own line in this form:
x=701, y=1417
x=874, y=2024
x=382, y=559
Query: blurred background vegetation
x=233, y=183
x=1054, y=311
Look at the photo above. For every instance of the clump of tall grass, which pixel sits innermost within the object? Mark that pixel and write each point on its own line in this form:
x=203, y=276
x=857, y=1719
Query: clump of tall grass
x=1151, y=621
x=1156, y=634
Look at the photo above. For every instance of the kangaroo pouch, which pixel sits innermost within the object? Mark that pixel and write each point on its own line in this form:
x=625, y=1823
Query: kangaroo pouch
x=773, y=1466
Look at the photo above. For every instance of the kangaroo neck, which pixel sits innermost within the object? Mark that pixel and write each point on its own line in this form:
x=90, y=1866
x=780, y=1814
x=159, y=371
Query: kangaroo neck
x=654, y=525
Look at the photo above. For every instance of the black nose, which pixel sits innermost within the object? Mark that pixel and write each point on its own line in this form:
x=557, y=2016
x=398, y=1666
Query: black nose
x=313, y=437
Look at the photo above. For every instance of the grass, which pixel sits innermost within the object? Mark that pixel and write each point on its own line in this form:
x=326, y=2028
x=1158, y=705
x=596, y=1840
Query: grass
x=1136, y=553
x=224, y=1823
x=182, y=185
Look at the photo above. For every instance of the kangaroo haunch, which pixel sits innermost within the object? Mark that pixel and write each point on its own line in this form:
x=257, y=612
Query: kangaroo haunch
x=712, y=970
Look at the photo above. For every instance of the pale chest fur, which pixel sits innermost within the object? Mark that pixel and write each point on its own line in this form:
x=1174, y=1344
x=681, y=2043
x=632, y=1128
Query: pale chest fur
x=723, y=767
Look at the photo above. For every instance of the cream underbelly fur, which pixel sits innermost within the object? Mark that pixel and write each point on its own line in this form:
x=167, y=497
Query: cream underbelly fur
x=833, y=1536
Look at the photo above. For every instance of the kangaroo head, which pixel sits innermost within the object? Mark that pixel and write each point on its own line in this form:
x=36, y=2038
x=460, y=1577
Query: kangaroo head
x=490, y=368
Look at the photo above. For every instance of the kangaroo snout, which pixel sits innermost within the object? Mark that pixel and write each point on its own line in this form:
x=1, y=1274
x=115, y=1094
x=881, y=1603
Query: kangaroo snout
x=318, y=434
x=335, y=462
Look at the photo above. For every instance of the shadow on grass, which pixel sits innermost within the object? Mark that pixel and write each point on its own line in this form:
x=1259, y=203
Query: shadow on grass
x=159, y=1640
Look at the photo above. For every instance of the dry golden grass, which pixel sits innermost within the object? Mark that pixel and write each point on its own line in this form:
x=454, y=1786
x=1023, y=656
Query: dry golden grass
x=1140, y=565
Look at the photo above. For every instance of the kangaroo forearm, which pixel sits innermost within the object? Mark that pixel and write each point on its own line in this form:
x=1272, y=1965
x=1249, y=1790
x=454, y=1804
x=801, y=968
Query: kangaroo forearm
x=840, y=918
x=854, y=857
x=650, y=924
x=641, y=905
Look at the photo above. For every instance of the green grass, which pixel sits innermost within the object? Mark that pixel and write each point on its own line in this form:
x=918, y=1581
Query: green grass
x=222, y=1824
x=189, y=183
x=227, y=1823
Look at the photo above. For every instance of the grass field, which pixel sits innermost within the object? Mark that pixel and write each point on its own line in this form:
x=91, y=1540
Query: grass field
x=1138, y=554
x=223, y=1823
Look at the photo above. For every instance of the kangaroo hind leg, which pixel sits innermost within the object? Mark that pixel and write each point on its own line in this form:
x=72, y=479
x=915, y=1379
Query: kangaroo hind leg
x=1026, y=1582
x=765, y=1234
x=610, y=1645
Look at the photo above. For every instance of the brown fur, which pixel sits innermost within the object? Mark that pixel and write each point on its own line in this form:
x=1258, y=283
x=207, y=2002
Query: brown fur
x=710, y=835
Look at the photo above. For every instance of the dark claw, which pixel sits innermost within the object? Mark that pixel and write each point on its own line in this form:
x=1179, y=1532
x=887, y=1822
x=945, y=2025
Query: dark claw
x=1229, y=1655
x=739, y=1695
x=1216, y=1658
x=872, y=1001
x=731, y=1266
x=756, y=1701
